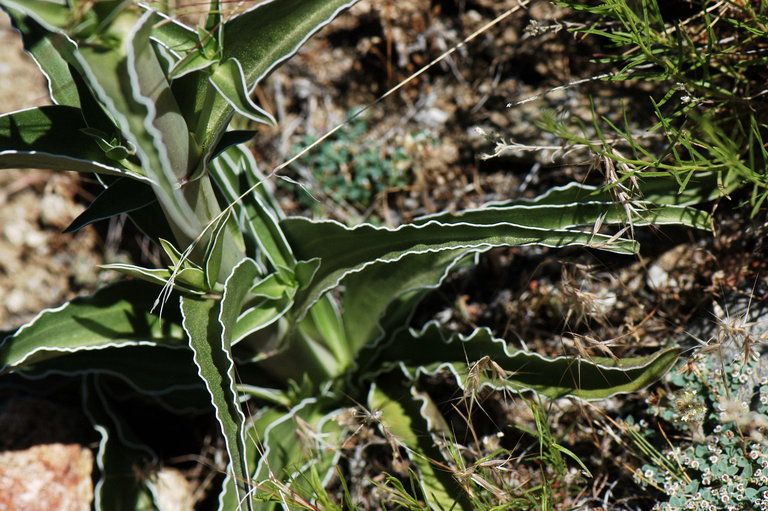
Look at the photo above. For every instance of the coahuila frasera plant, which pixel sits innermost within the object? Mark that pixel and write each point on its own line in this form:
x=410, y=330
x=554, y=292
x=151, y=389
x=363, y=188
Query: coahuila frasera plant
x=144, y=102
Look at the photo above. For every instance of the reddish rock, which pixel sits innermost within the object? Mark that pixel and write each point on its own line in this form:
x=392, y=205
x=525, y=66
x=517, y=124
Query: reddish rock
x=46, y=477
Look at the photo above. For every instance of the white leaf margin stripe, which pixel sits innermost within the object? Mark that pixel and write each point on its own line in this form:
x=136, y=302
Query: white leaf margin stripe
x=9, y=367
x=148, y=121
x=279, y=61
x=229, y=476
x=266, y=448
x=552, y=191
x=165, y=19
x=43, y=349
x=468, y=246
x=638, y=220
x=95, y=166
x=421, y=370
x=234, y=103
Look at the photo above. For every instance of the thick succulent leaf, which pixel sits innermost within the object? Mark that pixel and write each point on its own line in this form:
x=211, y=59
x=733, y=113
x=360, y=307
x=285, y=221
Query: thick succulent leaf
x=260, y=316
x=174, y=255
x=214, y=251
x=172, y=34
x=187, y=280
x=266, y=35
x=481, y=360
x=565, y=216
x=151, y=221
x=50, y=14
x=194, y=60
x=122, y=196
x=701, y=187
x=208, y=325
x=326, y=319
x=116, y=316
x=231, y=139
x=228, y=79
x=410, y=417
x=118, y=456
x=49, y=137
x=344, y=250
x=37, y=42
x=259, y=220
x=236, y=292
x=146, y=111
x=368, y=293
x=312, y=349
x=260, y=39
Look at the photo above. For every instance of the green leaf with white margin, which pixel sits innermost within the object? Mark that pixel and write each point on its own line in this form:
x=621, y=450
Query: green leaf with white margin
x=195, y=59
x=174, y=255
x=344, y=250
x=409, y=417
x=259, y=220
x=50, y=14
x=118, y=457
x=260, y=39
x=368, y=293
x=145, y=111
x=187, y=280
x=122, y=196
x=172, y=34
x=209, y=327
x=565, y=216
x=480, y=360
x=228, y=79
x=49, y=137
x=207, y=48
x=116, y=316
x=271, y=298
x=214, y=250
x=37, y=42
x=259, y=316
x=231, y=139
x=653, y=190
x=269, y=33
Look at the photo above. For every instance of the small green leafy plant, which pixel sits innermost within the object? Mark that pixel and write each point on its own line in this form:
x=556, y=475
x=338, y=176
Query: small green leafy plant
x=720, y=406
x=704, y=64
x=349, y=169
x=296, y=319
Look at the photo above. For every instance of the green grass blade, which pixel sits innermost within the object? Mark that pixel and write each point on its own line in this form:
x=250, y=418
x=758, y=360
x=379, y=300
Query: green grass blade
x=409, y=418
x=286, y=444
